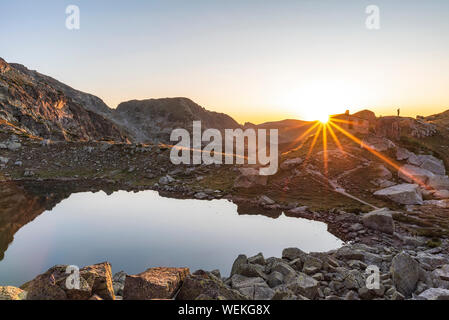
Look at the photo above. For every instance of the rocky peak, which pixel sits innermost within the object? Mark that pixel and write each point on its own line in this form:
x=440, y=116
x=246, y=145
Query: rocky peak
x=154, y=119
x=40, y=106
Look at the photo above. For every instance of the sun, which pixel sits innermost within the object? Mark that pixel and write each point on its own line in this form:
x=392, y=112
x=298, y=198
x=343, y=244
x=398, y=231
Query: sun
x=323, y=118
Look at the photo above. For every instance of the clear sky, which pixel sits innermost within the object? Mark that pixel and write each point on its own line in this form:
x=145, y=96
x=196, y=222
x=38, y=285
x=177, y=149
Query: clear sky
x=255, y=60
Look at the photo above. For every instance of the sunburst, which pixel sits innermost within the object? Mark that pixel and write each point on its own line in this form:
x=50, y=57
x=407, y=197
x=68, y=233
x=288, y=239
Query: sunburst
x=328, y=124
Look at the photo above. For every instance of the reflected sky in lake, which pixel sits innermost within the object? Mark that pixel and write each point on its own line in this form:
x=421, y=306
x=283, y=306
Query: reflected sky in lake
x=135, y=231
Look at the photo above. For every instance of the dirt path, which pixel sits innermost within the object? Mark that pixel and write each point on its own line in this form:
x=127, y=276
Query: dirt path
x=334, y=182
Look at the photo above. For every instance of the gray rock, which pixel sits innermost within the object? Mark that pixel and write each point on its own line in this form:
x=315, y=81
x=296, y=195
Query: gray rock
x=251, y=270
x=441, y=194
x=348, y=253
x=275, y=279
x=312, y=263
x=118, y=282
x=413, y=174
x=14, y=146
x=304, y=285
x=402, y=194
x=299, y=210
x=239, y=261
x=264, y=200
x=402, y=154
x=405, y=273
x=238, y=281
x=284, y=294
x=351, y=295
x=291, y=163
x=353, y=280
x=438, y=203
x=257, y=259
x=286, y=270
x=293, y=253
x=442, y=273
x=166, y=180
x=263, y=292
x=216, y=273
x=253, y=288
x=435, y=294
x=381, y=220
x=438, y=182
x=250, y=177
x=200, y=195
x=433, y=164
x=366, y=294
x=4, y=160
x=433, y=260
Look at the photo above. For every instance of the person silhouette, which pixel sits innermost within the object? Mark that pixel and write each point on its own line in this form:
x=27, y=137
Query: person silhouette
x=399, y=111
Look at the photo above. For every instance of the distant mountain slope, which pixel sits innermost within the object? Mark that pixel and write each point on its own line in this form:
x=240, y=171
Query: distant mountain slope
x=154, y=119
x=41, y=106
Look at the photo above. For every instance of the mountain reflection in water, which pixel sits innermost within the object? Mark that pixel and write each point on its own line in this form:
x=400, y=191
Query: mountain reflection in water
x=135, y=231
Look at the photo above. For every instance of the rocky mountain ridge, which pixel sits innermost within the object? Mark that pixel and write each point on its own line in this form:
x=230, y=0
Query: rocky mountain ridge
x=41, y=106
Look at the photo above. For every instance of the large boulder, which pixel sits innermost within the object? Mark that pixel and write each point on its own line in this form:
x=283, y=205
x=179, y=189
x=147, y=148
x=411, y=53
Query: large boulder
x=99, y=278
x=432, y=260
x=12, y=293
x=441, y=277
x=441, y=194
x=238, y=263
x=250, y=177
x=381, y=220
x=154, y=283
x=377, y=143
x=293, y=253
x=203, y=284
x=118, y=282
x=433, y=164
x=405, y=273
x=402, y=194
x=435, y=294
x=257, y=259
x=438, y=182
x=304, y=285
x=413, y=174
x=349, y=253
x=251, y=270
x=254, y=288
x=52, y=285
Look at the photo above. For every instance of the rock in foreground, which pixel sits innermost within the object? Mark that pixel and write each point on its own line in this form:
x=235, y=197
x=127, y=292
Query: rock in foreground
x=381, y=220
x=154, y=283
x=402, y=194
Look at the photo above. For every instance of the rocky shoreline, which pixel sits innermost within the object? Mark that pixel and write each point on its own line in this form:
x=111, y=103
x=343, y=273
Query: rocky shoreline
x=411, y=272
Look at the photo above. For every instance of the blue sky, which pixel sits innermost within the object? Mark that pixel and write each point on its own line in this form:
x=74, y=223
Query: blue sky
x=256, y=60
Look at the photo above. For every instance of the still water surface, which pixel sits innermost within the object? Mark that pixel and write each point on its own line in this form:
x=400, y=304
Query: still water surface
x=135, y=231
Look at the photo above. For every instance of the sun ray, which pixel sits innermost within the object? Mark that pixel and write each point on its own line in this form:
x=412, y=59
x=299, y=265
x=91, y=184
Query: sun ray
x=354, y=123
x=335, y=138
x=325, y=156
x=381, y=156
x=312, y=145
x=302, y=136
